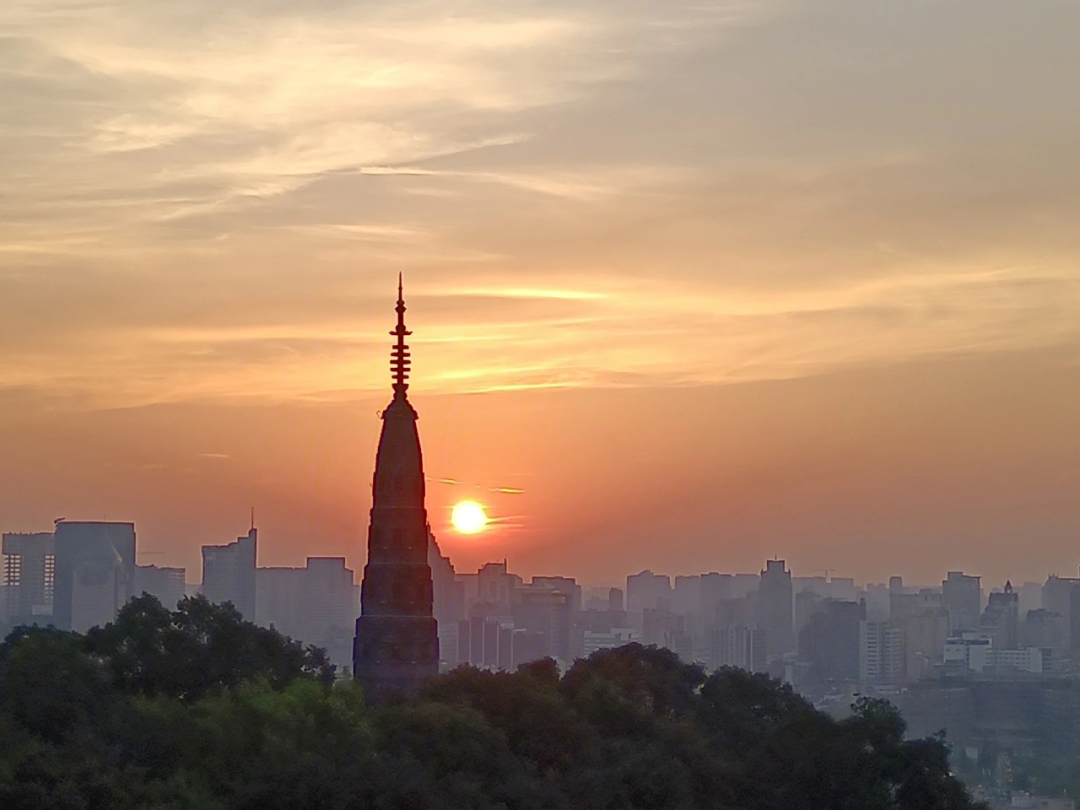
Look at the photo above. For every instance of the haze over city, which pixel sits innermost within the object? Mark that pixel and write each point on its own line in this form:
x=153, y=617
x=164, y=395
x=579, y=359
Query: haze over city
x=692, y=285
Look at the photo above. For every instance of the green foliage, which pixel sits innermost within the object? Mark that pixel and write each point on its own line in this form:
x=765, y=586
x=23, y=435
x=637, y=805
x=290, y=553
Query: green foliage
x=196, y=649
x=195, y=709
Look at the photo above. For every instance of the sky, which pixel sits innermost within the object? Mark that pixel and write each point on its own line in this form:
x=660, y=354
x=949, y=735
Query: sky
x=693, y=284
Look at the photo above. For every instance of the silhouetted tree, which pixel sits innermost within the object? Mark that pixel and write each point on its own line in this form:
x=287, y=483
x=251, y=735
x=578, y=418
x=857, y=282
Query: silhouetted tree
x=195, y=709
x=200, y=646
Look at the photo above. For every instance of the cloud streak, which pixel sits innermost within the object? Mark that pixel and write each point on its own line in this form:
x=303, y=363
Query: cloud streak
x=209, y=200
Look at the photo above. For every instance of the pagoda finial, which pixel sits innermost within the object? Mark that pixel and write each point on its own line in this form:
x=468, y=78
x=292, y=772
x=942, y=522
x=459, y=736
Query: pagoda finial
x=399, y=355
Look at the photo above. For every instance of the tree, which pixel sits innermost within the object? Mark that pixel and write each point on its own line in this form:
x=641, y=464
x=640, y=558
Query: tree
x=51, y=688
x=197, y=648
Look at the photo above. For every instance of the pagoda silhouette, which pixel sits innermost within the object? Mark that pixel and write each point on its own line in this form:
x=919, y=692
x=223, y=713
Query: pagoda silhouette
x=397, y=644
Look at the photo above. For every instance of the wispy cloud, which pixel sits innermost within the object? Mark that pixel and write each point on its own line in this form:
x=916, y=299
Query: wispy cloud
x=209, y=199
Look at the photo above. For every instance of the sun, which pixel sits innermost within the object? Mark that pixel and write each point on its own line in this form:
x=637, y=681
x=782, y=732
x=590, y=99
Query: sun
x=469, y=517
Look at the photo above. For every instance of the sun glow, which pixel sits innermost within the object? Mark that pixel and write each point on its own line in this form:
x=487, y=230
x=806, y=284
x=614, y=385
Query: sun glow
x=469, y=517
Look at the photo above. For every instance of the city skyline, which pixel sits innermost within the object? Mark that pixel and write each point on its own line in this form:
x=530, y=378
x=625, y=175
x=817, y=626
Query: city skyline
x=700, y=284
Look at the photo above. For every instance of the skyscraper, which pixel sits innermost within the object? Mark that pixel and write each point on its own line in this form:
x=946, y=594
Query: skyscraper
x=29, y=569
x=397, y=644
x=229, y=573
x=1001, y=619
x=95, y=571
x=775, y=605
x=167, y=584
x=328, y=609
x=963, y=597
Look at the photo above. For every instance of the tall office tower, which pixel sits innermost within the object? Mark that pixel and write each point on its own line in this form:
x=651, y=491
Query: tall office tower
x=1001, y=619
x=963, y=598
x=29, y=570
x=1056, y=595
x=878, y=602
x=95, y=572
x=777, y=611
x=714, y=588
x=1044, y=629
x=567, y=585
x=166, y=584
x=448, y=601
x=901, y=603
x=327, y=612
x=279, y=599
x=495, y=588
x=615, y=600
x=843, y=589
x=229, y=573
x=397, y=643
x=742, y=646
x=881, y=652
x=925, y=632
x=645, y=591
x=1030, y=597
x=686, y=595
x=830, y=641
x=548, y=613
x=744, y=585
x=807, y=603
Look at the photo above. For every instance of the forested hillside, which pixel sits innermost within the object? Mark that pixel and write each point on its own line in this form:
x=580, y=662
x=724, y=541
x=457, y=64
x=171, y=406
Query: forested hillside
x=195, y=709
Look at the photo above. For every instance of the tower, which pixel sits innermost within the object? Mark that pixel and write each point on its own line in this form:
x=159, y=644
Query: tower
x=229, y=573
x=775, y=603
x=396, y=644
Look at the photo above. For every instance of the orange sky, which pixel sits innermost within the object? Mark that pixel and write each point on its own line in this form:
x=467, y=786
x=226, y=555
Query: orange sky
x=707, y=281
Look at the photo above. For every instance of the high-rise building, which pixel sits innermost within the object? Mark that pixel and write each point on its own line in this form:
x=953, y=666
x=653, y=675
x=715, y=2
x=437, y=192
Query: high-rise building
x=448, y=601
x=1001, y=619
x=878, y=602
x=743, y=646
x=1030, y=597
x=229, y=573
x=1055, y=594
x=328, y=615
x=777, y=610
x=489, y=643
x=881, y=652
x=963, y=598
x=94, y=572
x=165, y=584
x=714, y=589
x=901, y=603
x=615, y=600
x=594, y=641
x=314, y=605
x=567, y=585
x=925, y=632
x=830, y=641
x=645, y=590
x=495, y=588
x=30, y=574
x=1045, y=630
x=397, y=643
x=546, y=612
x=842, y=589
x=807, y=603
x=686, y=595
x=279, y=597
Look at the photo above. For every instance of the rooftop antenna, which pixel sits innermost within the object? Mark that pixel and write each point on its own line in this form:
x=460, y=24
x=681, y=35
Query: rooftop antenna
x=253, y=518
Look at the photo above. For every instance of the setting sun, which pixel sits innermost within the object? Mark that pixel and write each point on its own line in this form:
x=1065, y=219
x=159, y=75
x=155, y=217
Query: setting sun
x=469, y=517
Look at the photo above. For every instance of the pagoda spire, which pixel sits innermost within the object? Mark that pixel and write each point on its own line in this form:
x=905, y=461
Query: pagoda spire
x=399, y=355
x=397, y=644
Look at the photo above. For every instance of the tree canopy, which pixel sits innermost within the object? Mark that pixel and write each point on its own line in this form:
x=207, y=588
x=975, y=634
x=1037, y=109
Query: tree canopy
x=195, y=709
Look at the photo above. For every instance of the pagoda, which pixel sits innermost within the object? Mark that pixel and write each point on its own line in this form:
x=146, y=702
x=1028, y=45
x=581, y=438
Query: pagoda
x=396, y=644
